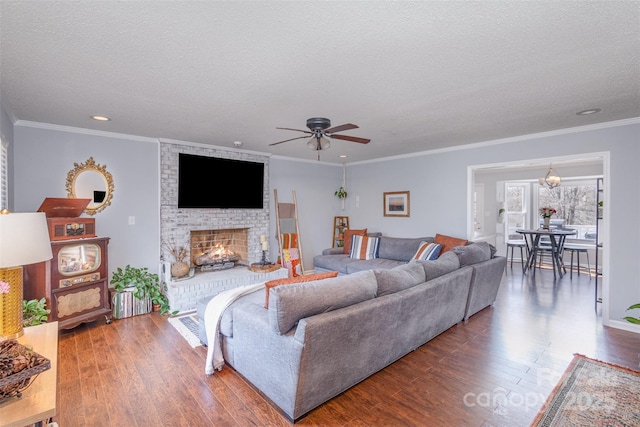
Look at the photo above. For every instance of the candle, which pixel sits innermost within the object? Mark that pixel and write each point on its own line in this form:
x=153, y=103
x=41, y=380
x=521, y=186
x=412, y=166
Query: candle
x=263, y=238
x=265, y=245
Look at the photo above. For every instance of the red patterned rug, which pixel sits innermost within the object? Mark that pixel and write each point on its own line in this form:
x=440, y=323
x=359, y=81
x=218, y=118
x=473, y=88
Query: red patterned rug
x=593, y=393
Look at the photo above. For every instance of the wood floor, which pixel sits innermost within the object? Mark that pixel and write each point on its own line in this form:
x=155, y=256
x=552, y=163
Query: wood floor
x=494, y=370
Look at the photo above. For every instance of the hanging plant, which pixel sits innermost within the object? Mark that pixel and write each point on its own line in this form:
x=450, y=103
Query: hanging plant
x=341, y=193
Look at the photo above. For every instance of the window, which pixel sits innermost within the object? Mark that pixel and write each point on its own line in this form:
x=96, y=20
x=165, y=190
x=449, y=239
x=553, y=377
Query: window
x=575, y=203
x=517, y=208
x=4, y=186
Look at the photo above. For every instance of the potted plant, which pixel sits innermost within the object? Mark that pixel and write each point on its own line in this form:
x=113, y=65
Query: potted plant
x=145, y=284
x=341, y=193
x=34, y=312
x=630, y=319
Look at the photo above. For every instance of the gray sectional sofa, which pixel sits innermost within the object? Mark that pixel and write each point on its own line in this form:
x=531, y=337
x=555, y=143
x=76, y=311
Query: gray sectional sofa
x=319, y=338
x=392, y=252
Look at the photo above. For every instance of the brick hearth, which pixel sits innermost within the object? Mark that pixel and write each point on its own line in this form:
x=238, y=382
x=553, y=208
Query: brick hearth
x=184, y=294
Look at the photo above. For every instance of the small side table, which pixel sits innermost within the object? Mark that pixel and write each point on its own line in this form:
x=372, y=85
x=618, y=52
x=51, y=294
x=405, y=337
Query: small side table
x=38, y=401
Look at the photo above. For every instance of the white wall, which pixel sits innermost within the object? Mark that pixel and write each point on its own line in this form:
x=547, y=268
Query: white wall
x=438, y=185
x=44, y=156
x=314, y=184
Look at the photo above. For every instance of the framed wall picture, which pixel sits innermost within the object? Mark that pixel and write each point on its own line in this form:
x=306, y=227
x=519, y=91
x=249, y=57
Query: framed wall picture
x=396, y=203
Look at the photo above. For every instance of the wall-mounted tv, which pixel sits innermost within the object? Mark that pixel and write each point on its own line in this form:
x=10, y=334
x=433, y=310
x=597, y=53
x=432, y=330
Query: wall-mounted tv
x=213, y=182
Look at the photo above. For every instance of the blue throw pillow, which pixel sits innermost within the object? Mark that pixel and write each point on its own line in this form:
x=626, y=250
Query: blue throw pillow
x=428, y=251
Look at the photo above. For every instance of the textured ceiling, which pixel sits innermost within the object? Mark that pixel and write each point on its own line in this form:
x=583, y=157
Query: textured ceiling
x=414, y=76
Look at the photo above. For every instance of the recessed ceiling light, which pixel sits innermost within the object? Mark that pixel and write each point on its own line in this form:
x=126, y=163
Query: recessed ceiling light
x=101, y=118
x=343, y=156
x=589, y=111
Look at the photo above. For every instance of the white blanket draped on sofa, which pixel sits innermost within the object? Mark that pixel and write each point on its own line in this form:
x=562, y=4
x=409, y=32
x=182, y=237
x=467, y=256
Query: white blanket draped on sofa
x=212, y=315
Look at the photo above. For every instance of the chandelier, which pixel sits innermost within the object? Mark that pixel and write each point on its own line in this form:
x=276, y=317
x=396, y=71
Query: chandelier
x=551, y=180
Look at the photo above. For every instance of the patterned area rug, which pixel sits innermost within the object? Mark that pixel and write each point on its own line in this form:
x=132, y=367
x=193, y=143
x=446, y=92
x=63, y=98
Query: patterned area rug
x=187, y=325
x=593, y=393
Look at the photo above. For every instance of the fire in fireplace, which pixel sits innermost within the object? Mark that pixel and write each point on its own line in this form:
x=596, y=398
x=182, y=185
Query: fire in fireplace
x=218, y=249
x=218, y=258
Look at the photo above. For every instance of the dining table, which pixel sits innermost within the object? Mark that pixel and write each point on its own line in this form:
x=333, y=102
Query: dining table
x=533, y=240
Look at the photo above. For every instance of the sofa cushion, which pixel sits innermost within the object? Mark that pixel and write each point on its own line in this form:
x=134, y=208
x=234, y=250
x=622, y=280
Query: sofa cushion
x=493, y=249
x=333, y=262
x=473, y=253
x=448, y=242
x=364, y=247
x=446, y=263
x=427, y=250
x=399, y=278
x=372, y=264
x=348, y=237
x=226, y=320
x=400, y=248
x=289, y=304
x=298, y=279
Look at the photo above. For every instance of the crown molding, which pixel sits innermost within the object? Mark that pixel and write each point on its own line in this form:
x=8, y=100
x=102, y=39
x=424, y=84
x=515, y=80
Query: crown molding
x=83, y=131
x=566, y=131
x=313, y=162
x=558, y=132
x=214, y=147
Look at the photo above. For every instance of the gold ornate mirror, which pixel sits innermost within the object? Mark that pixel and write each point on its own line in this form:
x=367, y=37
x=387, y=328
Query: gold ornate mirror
x=90, y=180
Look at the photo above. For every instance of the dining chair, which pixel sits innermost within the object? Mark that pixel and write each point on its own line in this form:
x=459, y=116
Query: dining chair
x=546, y=250
x=578, y=250
x=517, y=241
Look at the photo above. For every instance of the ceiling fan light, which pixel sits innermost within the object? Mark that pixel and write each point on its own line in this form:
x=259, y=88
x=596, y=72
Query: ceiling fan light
x=318, y=143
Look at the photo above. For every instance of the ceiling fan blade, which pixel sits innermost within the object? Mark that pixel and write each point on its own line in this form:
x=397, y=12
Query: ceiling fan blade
x=350, y=138
x=298, y=130
x=346, y=126
x=287, y=140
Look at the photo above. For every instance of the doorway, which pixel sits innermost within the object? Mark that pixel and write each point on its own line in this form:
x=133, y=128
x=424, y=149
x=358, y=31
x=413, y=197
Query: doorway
x=522, y=177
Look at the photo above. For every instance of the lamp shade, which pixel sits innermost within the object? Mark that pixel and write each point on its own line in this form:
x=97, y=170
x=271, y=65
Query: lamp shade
x=24, y=239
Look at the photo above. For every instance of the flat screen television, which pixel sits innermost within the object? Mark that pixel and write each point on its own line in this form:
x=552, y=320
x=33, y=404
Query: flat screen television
x=213, y=182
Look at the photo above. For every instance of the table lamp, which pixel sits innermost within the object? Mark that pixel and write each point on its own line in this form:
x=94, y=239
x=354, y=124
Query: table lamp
x=24, y=239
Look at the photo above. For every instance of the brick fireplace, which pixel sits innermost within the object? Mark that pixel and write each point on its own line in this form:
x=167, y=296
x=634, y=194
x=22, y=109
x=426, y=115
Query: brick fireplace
x=239, y=228
x=177, y=225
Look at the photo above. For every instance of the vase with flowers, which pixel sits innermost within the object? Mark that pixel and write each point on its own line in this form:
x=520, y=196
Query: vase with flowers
x=546, y=213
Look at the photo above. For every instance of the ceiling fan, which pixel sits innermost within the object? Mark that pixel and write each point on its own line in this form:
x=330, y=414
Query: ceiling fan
x=320, y=130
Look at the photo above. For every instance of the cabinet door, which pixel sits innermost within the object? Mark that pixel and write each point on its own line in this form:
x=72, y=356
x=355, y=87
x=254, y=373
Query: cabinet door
x=74, y=282
x=79, y=303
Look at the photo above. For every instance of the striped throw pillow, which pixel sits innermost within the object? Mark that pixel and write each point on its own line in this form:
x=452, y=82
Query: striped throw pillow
x=428, y=251
x=364, y=247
